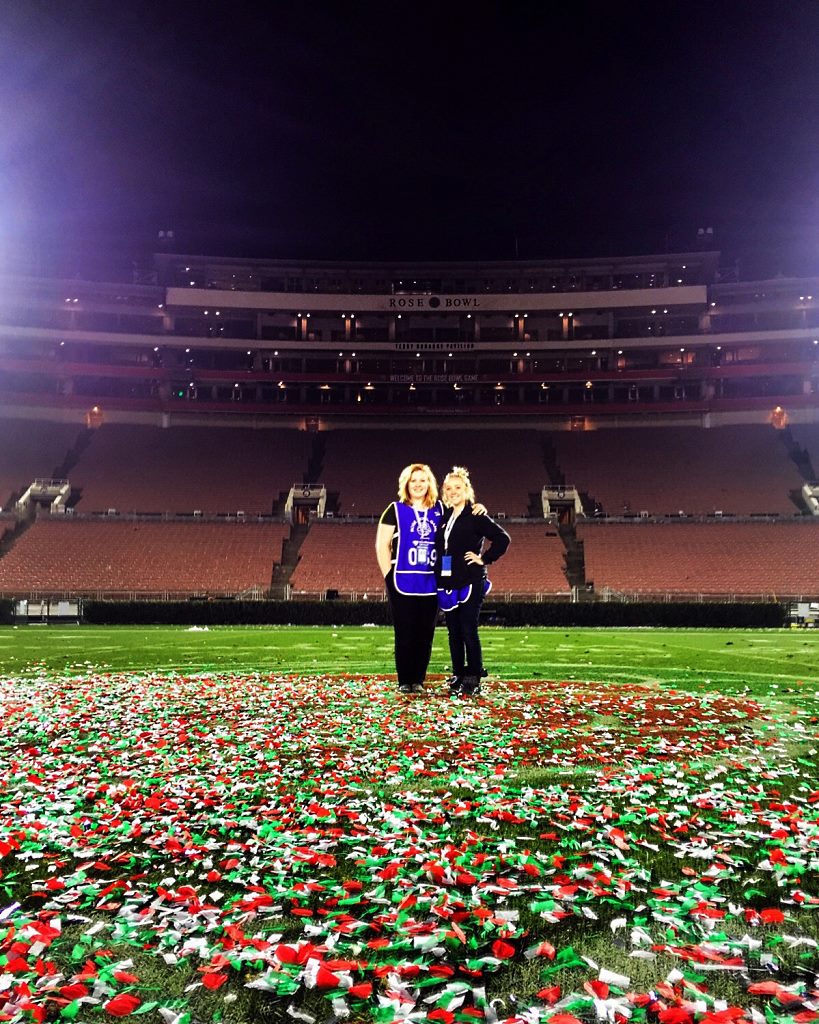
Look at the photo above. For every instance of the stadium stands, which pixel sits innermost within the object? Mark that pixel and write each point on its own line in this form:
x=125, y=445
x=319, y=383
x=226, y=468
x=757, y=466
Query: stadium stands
x=58, y=556
x=31, y=449
x=341, y=557
x=742, y=470
x=742, y=559
x=182, y=469
x=362, y=466
x=532, y=565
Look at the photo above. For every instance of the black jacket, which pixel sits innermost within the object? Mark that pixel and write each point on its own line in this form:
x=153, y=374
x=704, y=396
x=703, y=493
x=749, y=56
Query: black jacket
x=467, y=534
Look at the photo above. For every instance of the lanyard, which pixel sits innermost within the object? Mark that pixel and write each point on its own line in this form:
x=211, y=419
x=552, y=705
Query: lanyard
x=448, y=530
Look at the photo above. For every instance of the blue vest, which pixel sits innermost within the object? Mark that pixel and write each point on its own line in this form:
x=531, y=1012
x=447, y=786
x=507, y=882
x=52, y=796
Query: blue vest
x=415, y=558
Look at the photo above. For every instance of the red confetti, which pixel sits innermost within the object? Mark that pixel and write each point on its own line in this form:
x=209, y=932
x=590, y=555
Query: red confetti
x=122, y=1005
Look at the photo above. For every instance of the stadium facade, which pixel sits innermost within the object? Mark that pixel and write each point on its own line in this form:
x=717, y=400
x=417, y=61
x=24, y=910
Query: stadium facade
x=532, y=373
x=573, y=344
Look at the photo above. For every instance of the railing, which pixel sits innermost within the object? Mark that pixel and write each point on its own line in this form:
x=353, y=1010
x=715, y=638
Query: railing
x=607, y=594
x=168, y=517
x=254, y=594
x=379, y=596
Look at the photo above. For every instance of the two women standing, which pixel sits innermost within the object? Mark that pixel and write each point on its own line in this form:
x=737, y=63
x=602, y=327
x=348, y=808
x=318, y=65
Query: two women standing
x=430, y=554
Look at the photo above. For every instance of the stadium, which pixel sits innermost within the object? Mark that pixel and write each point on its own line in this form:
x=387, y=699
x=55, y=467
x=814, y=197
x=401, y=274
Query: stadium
x=615, y=412
x=216, y=805
x=261, y=266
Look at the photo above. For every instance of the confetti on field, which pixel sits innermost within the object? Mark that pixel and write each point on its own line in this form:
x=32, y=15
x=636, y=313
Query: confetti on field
x=221, y=847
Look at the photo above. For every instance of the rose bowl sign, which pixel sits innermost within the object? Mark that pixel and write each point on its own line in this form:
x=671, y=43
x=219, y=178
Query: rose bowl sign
x=433, y=302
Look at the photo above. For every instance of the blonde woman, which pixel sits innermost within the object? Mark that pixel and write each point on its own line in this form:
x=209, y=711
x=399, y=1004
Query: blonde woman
x=460, y=568
x=406, y=553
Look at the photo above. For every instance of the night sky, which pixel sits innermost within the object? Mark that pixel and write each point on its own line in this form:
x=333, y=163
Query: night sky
x=410, y=131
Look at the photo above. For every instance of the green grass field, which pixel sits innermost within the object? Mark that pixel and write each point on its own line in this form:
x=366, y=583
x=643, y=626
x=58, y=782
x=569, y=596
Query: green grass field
x=249, y=824
x=732, y=659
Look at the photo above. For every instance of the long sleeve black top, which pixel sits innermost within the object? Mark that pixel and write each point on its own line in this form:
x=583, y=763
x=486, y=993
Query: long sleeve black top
x=467, y=534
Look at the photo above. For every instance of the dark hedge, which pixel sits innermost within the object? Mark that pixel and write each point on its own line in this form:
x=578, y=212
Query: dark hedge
x=343, y=613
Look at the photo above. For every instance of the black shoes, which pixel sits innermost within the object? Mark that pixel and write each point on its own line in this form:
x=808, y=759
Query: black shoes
x=464, y=686
x=459, y=686
x=471, y=686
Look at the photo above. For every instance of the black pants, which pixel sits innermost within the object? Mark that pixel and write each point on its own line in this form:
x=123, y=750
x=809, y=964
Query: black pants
x=464, y=643
x=414, y=619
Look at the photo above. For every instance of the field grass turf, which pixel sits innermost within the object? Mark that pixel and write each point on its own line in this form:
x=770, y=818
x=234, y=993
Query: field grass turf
x=730, y=660
x=245, y=825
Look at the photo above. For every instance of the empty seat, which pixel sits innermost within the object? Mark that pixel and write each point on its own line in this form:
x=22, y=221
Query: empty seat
x=739, y=469
x=115, y=557
x=362, y=466
x=341, y=556
x=743, y=559
x=181, y=469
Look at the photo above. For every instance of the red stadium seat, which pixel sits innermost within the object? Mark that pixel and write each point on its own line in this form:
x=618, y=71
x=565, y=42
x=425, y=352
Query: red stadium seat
x=136, y=557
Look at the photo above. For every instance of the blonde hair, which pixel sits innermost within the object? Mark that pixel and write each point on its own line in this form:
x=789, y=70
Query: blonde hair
x=461, y=473
x=430, y=497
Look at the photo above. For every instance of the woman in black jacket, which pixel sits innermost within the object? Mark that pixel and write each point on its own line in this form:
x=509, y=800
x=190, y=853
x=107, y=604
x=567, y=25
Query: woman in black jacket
x=460, y=571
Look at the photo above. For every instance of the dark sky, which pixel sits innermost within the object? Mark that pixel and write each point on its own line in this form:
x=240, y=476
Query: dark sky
x=419, y=130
